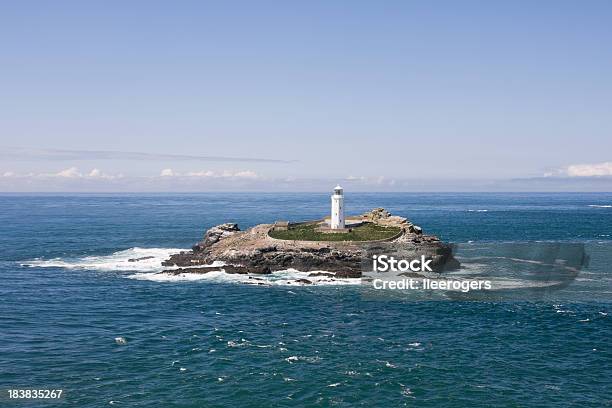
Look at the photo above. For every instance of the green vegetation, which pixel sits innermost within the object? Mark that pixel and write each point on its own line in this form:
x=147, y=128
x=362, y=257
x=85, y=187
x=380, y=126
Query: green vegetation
x=364, y=232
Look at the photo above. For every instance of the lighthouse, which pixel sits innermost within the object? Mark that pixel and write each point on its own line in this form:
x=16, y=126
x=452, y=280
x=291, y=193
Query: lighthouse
x=337, y=208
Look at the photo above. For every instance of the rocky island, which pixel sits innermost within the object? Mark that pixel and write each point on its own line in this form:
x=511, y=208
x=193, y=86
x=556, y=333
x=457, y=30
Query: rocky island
x=336, y=253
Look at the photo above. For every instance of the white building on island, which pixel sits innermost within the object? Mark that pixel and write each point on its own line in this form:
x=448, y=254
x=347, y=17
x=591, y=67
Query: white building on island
x=337, y=209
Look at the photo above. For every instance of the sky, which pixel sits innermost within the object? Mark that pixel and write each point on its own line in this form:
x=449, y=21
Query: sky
x=299, y=96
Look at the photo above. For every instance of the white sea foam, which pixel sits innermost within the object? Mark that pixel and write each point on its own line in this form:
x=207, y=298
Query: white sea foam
x=147, y=264
x=482, y=210
x=288, y=277
x=117, y=261
x=120, y=341
x=505, y=283
x=150, y=268
x=472, y=268
x=600, y=206
x=240, y=343
x=558, y=263
x=182, y=277
x=406, y=391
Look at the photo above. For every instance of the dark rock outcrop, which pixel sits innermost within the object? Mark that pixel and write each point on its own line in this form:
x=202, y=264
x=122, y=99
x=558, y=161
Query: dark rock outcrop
x=231, y=269
x=140, y=259
x=215, y=234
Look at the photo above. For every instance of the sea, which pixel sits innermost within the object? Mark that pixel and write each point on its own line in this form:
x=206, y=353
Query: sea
x=76, y=315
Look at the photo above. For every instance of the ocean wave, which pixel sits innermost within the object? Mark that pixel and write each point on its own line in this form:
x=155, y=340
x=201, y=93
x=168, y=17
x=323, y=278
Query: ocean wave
x=480, y=210
x=142, y=260
x=474, y=264
x=307, y=359
x=287, y=277
x=509, y=283
x=146, y=264
x=600, y=205
x=473, y=268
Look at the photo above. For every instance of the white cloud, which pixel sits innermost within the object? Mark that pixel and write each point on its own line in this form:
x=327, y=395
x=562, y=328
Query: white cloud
x=168, y=173
x=589, y=170
x=98, y=174
x=71, y=172
x=582, y=170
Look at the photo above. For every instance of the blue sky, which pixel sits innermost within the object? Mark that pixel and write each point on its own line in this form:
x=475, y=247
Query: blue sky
x=391, y=95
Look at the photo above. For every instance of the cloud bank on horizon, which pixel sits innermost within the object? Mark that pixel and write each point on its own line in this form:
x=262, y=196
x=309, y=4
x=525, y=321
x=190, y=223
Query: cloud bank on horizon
x=582, y=177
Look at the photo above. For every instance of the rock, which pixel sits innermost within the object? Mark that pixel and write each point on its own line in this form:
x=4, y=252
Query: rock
x=383, y=217
x=253, y=268
x=140, y=259
x=329, y=275
x=240, y=270
x=348, y=274
x=416, y=229
x=230, y=269
x=205, y=269
x=376, y=214
x=271, y=248
x=254, y=252
x=304, y=281
x=215, y=234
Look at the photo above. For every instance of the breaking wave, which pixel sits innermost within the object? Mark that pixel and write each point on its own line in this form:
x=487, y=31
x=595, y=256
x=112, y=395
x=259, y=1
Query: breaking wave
x=288, y=277
x=600, y=206
x=132, y=259
x=145, y=264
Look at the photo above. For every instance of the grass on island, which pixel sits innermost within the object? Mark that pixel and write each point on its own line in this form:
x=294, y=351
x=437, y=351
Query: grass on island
x=364, y=232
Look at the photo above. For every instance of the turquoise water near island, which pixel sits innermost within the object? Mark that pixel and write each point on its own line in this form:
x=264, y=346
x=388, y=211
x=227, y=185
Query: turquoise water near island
x=68, y=292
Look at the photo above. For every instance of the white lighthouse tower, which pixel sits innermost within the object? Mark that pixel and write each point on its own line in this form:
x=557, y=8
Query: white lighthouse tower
x=337, y=208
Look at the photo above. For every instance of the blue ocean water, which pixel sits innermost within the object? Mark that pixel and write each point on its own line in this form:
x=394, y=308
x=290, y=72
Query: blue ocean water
x=67, y=292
